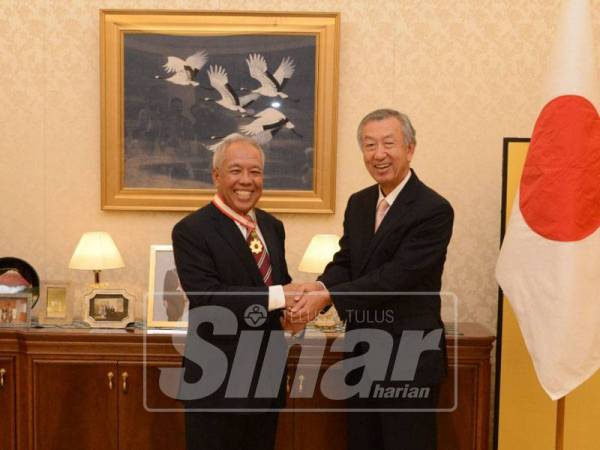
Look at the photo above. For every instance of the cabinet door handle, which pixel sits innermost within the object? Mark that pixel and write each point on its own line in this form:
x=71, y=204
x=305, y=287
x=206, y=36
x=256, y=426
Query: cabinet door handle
x=2, y=373
x=301, y=378
x=110, y=376
x=125, y=375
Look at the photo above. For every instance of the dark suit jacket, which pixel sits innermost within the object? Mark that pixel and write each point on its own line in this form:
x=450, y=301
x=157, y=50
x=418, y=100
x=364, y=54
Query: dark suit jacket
x=214, y=265
x=406, y=255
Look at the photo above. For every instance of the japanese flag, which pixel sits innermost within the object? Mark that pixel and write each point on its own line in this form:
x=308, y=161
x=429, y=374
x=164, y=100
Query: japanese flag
x=549, y=263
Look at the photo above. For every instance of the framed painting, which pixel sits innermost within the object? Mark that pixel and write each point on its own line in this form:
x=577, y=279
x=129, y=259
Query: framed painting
x=167, y=305
x=174, y=84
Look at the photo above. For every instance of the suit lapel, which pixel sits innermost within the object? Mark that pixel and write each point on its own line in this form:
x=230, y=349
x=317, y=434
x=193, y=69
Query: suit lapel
x=234, y=238
x=392, y=219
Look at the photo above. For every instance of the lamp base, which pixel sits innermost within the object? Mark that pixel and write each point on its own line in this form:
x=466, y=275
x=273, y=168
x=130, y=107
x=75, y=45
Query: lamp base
x=97, y=285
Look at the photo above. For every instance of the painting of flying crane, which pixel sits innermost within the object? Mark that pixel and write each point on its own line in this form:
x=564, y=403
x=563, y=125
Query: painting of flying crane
x=184, y=94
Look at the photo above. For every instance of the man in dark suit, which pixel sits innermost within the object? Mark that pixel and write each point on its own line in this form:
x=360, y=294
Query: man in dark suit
x=394, y=244
x=230, y=258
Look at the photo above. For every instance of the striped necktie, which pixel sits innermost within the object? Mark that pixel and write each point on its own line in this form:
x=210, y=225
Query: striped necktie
x=259, y=251
x=382, y=209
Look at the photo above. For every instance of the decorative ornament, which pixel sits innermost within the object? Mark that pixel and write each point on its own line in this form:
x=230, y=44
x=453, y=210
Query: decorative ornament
x=256, y=246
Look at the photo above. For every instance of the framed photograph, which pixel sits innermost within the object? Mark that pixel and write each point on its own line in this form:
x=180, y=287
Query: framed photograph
x=15, y=310
x=176, y=83
x=56, y=306
x=167, y=305
x=107, y=308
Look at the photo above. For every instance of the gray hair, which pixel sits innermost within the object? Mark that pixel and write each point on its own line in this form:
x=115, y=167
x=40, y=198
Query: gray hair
x=410, y=135
x=219, y=154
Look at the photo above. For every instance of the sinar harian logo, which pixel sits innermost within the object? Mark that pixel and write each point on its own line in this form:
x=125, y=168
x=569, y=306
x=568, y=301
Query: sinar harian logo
x=255, y=315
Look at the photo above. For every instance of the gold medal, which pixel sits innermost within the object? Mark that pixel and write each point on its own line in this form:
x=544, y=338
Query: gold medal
x=256, y=246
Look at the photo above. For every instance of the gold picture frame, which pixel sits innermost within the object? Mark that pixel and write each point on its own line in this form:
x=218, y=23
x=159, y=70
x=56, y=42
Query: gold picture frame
x=56, y=303
x=161, y=113
x=167, y=305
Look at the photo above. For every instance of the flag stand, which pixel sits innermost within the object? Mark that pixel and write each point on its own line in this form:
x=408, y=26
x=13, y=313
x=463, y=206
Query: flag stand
x=560, y=423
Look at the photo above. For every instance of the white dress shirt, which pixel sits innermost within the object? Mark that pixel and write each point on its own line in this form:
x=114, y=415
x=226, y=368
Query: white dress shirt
x=391, y=197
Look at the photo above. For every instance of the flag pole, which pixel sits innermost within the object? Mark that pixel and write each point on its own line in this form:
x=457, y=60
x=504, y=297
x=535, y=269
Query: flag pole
x=560, y=424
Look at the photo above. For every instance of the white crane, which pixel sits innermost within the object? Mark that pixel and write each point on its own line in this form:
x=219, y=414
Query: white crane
x=271, y=85
x=229, y=98
x=267, y=124
x=184, y=71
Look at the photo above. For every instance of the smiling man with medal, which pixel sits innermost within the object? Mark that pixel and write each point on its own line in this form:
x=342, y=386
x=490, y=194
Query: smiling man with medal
x=232, y=255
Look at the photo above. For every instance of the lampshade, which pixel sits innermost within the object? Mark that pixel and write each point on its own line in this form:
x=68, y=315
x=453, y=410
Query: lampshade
x=96, y=251
x=319, y=253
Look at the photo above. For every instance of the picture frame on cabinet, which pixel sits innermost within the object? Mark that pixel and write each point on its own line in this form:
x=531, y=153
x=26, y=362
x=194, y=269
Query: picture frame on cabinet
x=167, y=305
x=56, y=306
x=174, y=84
x=15, y=310
x=108, y=308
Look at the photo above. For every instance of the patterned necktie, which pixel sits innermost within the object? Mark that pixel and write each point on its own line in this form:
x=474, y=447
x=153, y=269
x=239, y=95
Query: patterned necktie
x=382, y=209
x=260, y=253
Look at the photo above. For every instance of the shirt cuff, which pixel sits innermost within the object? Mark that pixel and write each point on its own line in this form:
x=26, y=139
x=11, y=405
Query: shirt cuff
x=276, y=297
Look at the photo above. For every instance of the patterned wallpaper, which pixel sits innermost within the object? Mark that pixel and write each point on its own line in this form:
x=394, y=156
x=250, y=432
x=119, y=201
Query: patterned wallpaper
x=467, y=72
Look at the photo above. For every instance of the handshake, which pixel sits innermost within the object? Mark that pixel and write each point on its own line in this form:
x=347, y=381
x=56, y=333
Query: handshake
x=303, y=303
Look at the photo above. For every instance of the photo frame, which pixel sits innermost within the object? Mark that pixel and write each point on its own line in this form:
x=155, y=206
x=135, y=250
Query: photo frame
x=167, y=305
x=175, y=83
x=15, y=310
x=56, y=305
x=107, y=308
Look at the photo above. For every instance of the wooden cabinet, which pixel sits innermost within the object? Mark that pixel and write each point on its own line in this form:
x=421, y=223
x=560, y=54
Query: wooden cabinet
x=9, y=361
x=102, y=405
x=99, y=389
x=319, y=427
x=8, y=410
x=74, y=404
x=463, y=420
x=95, y=390
x=137, y=420
x=308, y=423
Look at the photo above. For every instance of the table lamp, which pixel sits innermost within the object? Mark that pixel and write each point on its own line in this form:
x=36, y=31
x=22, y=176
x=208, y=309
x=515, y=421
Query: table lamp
x=96, y=251
x=318, y=254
